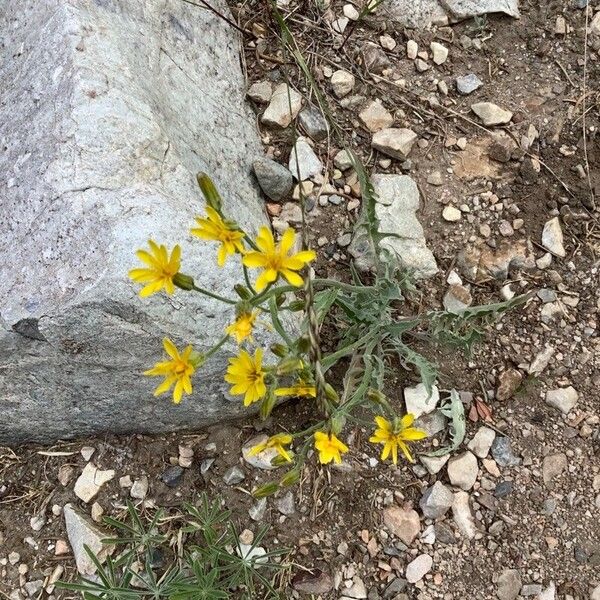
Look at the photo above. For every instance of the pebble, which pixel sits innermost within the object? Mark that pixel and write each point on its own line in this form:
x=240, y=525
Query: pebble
x=87, y=452
x=457, y=299
x=258, y=509
x=260, y=92
x=550, y=593
x=283, y=108
x=462, y=470
x=440, y=53
x=394, y=142
x=307, y=164
x=482, y=442
x=553, y=466
x=376, y=117
x=403, y=522
x=313, y=582
x=531, y=589
x=462, y=515
x=97, y=511
x=37, y=522
x=434, y=464
x=451, y=214
x=509, y=584
x=419, y=402
x=357, y=590
x=285, y=505
x=503, y=488
x=342, y=160
x=418, y=568
x=33, y=588
x=172, y=476
x=552, y=238
x=350, y=12
x=387, y=42
x=467, y=84
x=314, y=123
x=491, y=114
x=508, y=383
x=412, y=48
x=421, y=65
x=139, y=489
x=90, y=481
x=342, y=83
x=14, y=558
x=436, y=178
x=436, y=501
x=233, y=475
x=61, y=548
x=563, y=399
x=502, y=452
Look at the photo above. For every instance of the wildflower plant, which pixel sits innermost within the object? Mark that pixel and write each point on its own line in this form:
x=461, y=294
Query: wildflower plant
x=278, y=280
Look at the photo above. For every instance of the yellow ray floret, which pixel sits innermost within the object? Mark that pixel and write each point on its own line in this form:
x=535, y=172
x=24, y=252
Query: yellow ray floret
x=396, y=436
x=329, y=448
x=213, y=228
x=247, y=377
x=160, y=270
x=241, y=328
x=278, y=442
x=177, y=371
x=275, y=260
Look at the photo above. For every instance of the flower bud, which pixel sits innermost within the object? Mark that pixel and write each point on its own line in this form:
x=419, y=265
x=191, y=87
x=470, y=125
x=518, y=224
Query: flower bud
x=212, y=197
x=267, y=404
x=197, y=359
x=184, y=282
x=331, y=393
x=290, y=478
x=296, y=305
x=376, y=396
x=242, y=291
x=289, y=364
x=265, y=490
x=337, y=423
x=303, y=344
x=279, y=350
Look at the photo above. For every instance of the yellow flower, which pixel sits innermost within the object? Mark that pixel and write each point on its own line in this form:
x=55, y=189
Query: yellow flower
x=160, y=271
x=329, y=448
x=278, y=442
x=275, y=259
x=247, y=377
x=177, y=371
x=241, y=328
x=298, y=390
x=215, y=229
x=395, y=436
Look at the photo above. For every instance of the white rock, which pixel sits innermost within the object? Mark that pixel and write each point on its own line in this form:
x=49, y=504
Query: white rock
x=419, y=402
x=375, y=116
x=87, y=452
x=491, y=114
x=139, y=489
x=357, y=589
x=351, y=12
x=451, y=214
x=284, y=106
x=261, y=91
x=563, y=399
x=440, y=53
x=263, y=459
x=552, y=237
x=418, y=568
x=596, y=591
x=342, y=83
x=342, y=160
x=81, y=531
x=90, y=481
x=462, y=470
x=550, y=593
x=482, y=442
x=308, y=164
x=387, y=42
x=403, y=522
x=37, y=522
x=509, y=585
x=339, y=25
x=434, y=464
x=412, y=49
x=436, y=501
x=541, y=361
x=395, y=142
x=461, y=513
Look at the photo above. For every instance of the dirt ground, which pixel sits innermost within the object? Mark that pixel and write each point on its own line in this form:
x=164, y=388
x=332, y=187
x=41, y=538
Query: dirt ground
x=541, y=522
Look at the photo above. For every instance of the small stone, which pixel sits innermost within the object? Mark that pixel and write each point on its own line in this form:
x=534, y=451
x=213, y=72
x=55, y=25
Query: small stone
x=436, y=178
x=412, y=48
x=419, y=401
x=36, y=523
x=552, y=238
x=531, y=589
x=258, y=509
x=260, y=92
x=503, y=488
x=546, y=295
x=233, y=475
x=462, y=470
x=61, y=548
x=508, y=383
x=541, y=361
x=467, y=84
x=443, y=533
x=387, y=42
x=375, y=60
x=97, y=511
x=457, y=299
x=357, y=589
x=14, y=558
x=172, y=476
x=304, y=163
x=501, y=149
x=125, y=481
x=418, y=568
x=434, y=464
x=509, y=584
x=262, y=460
x=451, y=214
x=314, y=582
x=436, y=501
x=33, y=588
x=139, y=489
x=596, y=591
x=550, y=593
x=65, y=474
x=404, y=523
x=421, y=65
x=443, y=89
x=350, y=12
x=342, y=83
x=491, y=114
x=285, y=505
x=340, y=24
x=343, y=240
x=394, y=142
x=314, y=123
x=482, y=442
x=87, y=452
x=502, y=452
x=90, y=481
x=342, y=160
x=560, y=27
x=553, y=466
x=563, y=399
x=291, y=212
x=505, y=229
x=440, y=53
x=376, y=117
x=278, y=113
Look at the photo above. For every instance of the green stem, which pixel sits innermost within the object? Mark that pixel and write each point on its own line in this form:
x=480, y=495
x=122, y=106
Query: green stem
x=250, y=241
x=212, y=295
x=216, y=346
x=277, y=323
x=247, y=278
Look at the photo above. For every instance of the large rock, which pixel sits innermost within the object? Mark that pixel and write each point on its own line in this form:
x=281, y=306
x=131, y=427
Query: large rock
x=113, y=107
x=422, y=13
x=396, y=207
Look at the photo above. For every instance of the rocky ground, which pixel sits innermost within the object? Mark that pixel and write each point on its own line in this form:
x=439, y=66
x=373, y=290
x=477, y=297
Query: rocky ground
x=495, y=121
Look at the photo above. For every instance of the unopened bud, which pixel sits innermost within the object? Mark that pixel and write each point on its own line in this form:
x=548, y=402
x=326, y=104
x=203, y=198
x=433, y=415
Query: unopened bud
x=376, y=396
x=242, y=291
x=266, y=490
x=185, y=282
x=296, y=305
x=197, y=359
x=279, y=350
x=289, y=364
x=212, y=197
x=337, y=423
x=331, y=393
x=267, y=405
x=290, y=478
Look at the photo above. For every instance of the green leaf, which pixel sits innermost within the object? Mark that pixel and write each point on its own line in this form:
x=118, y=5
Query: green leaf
x=455, y=411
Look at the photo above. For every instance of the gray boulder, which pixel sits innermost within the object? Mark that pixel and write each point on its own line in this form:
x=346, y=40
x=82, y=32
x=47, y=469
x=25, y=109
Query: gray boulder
x=113, y=107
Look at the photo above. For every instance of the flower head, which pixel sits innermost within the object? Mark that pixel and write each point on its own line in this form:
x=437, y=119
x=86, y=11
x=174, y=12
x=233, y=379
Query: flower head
x=275, y=259
x=278, y=442
x=329, y=448
x=300, y=389
x=160, y=271
x=241, y=328
x=395, y=435
x=177, y=371
x=247, y=377
x=214, y=228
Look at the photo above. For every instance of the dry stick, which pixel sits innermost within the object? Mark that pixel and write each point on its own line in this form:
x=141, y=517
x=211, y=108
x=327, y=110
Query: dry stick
x=564, y=72
x=583, y=121
x=205, y=4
